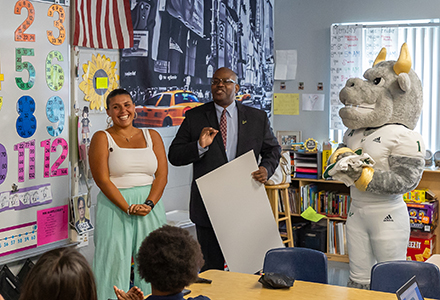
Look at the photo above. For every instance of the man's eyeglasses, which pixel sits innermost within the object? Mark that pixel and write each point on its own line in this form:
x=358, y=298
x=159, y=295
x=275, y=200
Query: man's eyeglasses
x=217, y=81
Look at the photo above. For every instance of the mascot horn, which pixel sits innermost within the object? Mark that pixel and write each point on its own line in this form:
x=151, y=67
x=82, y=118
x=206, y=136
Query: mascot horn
x=381, y=158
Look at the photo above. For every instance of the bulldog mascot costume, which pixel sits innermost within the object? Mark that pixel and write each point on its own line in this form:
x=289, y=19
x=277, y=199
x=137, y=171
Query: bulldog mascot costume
x=381, y=158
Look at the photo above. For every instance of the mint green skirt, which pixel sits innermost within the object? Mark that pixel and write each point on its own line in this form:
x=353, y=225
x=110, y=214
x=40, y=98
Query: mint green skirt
x=118, y=237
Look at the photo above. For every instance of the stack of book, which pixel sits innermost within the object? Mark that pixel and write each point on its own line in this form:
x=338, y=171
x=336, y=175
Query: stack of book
x=337, y=243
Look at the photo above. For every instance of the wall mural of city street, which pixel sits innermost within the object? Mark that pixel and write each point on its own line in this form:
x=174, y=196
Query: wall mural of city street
x=178, y=45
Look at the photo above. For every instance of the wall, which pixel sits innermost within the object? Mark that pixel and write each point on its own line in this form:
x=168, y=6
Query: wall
x=305, y=26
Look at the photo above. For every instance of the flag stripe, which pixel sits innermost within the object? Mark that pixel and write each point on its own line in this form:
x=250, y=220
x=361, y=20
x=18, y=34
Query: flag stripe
x=108, y=32
x=98, y=28
x=104, y=24
x=89, y=23
x=117, y=24
x=77, y=22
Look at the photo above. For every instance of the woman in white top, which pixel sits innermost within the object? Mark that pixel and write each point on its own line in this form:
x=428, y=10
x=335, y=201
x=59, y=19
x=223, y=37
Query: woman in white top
x=129, y=165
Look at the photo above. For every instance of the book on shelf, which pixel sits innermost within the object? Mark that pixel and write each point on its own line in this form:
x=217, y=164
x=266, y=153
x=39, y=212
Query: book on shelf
x=294, y=200
x=331, y=234
x=337, y=238
x=329, y=203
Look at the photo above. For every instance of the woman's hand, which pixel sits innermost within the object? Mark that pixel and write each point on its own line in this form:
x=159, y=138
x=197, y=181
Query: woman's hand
x=139, y=209
x=134, y=293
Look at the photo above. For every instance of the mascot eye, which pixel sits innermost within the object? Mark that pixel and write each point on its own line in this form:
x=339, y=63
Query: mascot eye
x=377, y=81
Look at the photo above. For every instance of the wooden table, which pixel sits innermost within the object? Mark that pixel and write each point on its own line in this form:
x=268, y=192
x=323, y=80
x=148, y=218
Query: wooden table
x=230, y=285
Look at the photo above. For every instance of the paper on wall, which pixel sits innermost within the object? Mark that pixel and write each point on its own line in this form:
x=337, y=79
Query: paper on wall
x=313, y=102
x=285, y=64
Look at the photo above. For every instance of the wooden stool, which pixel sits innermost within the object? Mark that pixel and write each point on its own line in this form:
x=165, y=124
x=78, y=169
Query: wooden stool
x=272, y=194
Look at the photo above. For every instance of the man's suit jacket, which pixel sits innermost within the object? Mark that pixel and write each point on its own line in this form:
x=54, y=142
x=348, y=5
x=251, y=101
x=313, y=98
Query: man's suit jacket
x=254, y=133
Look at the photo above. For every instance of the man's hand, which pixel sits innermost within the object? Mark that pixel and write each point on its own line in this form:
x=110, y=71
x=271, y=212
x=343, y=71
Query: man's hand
x=260, y=175
x=207, y=136
x=134, y=293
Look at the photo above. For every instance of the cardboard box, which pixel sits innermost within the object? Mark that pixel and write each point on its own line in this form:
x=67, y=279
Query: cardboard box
x=423, y=215
x=421, y=246
x=418, y=196
x=328, y=148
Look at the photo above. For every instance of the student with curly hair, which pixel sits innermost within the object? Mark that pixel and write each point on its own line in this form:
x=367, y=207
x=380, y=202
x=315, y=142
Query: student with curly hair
x=170, y=259
x=60, y=274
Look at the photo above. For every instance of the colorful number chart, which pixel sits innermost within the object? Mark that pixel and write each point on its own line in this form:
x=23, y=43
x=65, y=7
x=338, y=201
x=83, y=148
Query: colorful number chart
x=34, y=109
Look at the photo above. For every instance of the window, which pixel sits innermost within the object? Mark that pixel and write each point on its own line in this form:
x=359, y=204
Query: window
x=184, y=98
x=422, y=37
x=152, y=101
x=165, y=101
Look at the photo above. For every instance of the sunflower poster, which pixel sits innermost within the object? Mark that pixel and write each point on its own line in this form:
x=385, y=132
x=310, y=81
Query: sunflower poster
x=99, y=78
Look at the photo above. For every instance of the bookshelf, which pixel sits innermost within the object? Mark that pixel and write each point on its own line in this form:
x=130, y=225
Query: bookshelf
x=325, y=185
x=430, y=180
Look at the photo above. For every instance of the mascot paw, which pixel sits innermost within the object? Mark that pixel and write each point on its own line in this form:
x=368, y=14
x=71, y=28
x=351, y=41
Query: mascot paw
x=348, y=167
x=339, y=152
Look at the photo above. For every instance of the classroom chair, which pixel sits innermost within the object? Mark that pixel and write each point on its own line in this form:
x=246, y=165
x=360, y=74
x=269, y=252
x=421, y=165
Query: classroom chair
x=389, y=276
x=300, y=263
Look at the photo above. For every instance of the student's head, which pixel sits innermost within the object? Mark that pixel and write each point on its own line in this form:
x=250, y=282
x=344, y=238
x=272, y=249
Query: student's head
x=224, y=86
x=170, y=259
x=60, y=274
x=114, y=93
x=81, y=208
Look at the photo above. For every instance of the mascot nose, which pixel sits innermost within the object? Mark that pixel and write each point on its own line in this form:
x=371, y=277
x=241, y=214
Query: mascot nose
x=350, y=82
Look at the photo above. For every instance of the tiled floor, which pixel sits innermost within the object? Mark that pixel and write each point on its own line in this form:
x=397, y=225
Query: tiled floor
x=337, y=273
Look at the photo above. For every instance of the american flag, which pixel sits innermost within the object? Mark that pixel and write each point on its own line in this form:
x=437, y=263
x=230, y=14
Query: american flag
x=104, y=24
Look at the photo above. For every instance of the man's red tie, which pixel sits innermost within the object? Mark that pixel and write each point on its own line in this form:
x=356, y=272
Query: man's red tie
x=223, y=126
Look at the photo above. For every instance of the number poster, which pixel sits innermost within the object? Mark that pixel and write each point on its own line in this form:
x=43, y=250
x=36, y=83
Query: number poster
x=34, y=110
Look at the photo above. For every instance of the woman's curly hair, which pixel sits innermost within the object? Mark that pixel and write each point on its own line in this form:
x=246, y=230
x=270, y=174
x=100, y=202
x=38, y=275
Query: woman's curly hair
x=170, y=259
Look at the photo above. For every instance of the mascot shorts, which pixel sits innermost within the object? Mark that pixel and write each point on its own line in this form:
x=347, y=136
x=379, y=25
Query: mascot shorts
x=376, y=232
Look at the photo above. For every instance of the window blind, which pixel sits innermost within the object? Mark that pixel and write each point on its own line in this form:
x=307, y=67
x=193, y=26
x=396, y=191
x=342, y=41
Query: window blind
x=423, y=42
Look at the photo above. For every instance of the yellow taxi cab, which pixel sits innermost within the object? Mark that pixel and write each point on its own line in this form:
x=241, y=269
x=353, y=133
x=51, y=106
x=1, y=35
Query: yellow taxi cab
x=243, y=97
x=165, y=109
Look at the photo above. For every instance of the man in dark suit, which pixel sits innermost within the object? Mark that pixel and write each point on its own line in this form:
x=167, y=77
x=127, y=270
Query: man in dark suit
x=199, y=142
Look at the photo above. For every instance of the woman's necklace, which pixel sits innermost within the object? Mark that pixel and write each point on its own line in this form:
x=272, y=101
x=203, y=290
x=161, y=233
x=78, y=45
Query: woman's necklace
x=126, y=138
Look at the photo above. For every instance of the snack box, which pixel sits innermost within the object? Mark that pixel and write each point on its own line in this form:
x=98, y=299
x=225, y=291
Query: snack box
x=423, y=215
x=418, y=196
x=421, y=246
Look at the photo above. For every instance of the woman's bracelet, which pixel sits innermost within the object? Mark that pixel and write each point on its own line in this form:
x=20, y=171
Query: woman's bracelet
x=128, y=210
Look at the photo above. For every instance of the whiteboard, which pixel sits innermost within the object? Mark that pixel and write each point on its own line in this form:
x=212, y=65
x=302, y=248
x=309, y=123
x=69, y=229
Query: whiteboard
x=34, y=134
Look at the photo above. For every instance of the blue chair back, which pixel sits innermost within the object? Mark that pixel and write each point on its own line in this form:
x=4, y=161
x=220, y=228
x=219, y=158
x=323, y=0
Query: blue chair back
x=300, y=263
x=389, y=276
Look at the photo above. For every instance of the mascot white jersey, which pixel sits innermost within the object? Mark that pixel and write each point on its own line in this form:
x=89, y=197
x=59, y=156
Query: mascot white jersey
x=381, y=113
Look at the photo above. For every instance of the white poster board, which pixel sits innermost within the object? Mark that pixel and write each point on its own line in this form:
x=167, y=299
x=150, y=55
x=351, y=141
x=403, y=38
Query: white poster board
x=240, y=214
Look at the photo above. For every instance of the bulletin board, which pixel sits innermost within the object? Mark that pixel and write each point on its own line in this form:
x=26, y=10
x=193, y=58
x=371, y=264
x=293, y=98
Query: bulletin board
x=34, y=114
